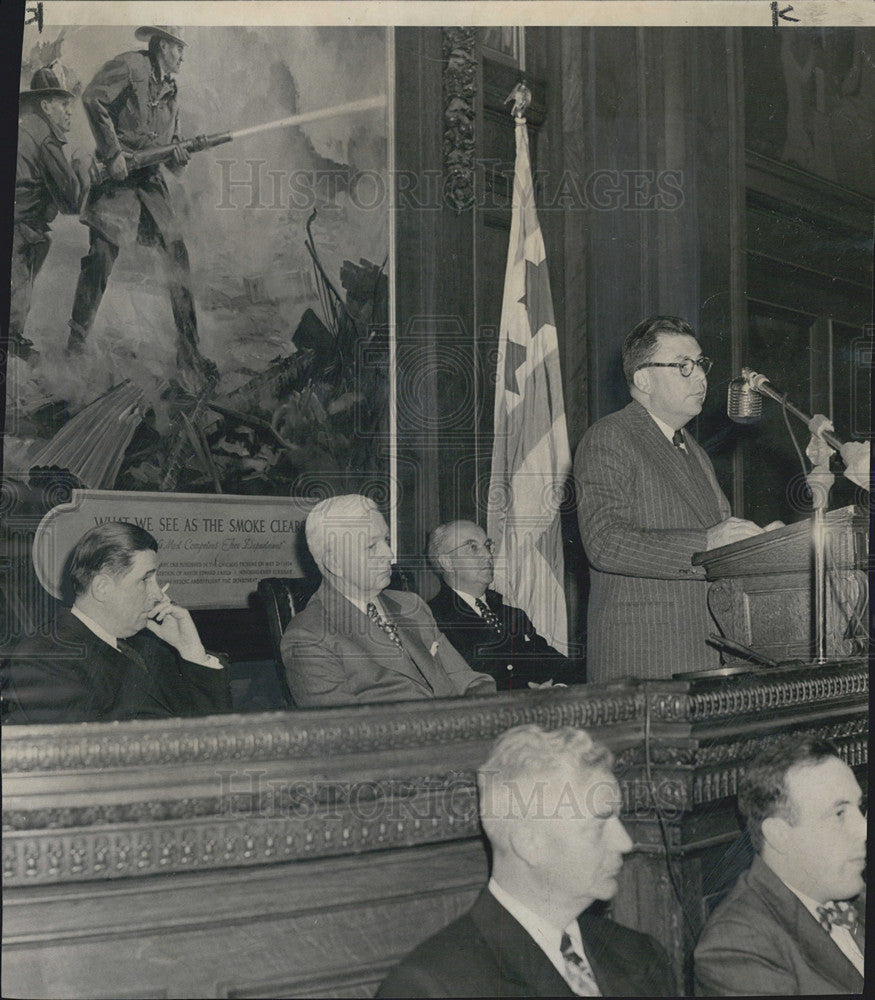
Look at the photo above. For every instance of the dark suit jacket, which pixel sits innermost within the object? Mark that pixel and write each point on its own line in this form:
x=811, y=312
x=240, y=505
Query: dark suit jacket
x=73, y=676
x=762, y=941
x=486, y=953
x=644, y=509
x=515, y=657
x=335, y=655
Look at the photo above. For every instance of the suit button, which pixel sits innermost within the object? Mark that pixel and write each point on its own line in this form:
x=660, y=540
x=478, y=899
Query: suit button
x=509, y=666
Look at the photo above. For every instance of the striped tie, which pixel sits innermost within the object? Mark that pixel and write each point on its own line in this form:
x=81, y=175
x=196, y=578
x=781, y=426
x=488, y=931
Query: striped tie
x=578, y=974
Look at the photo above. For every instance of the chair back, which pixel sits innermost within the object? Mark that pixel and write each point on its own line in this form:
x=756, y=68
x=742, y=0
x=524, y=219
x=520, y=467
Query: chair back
x=281, y=598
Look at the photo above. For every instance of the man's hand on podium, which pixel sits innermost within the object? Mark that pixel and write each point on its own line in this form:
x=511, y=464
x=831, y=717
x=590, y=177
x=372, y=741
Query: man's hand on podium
x=733, y=529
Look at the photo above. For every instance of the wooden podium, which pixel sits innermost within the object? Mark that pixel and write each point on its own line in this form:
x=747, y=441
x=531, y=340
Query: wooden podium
x=762, y=588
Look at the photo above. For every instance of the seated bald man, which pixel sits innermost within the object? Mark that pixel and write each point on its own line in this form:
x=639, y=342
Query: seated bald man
x=357, y=642
x=793, y=924
x=123, y=651
x=494, y=637
x=549, y=804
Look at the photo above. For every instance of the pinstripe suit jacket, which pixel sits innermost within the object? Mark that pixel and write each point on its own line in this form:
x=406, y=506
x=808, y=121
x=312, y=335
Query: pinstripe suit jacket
x=643, y=513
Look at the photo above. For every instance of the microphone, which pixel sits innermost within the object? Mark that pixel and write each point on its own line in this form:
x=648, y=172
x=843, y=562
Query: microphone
x=744, y=405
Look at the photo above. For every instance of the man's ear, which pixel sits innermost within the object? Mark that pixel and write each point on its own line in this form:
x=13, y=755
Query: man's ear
x=641, y=380
x=775, y=830
x=525, y=842
x=444, y=563
x=101, y=586
x=328, y=560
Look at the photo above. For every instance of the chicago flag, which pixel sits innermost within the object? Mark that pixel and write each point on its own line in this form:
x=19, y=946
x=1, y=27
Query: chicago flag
x=530, y=455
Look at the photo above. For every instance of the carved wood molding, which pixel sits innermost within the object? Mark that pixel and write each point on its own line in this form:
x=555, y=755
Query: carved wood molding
x=459, y=98
x=123, y=800
x=304, y=735
x=784, y=689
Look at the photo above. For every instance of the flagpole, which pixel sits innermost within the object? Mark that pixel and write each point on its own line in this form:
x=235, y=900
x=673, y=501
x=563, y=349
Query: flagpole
x=530, y=455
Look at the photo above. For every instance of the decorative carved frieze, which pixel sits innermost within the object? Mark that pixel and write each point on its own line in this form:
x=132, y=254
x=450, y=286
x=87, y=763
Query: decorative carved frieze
x=122, y=800
x=431, y=812
x=459, y=97
x=301, y=735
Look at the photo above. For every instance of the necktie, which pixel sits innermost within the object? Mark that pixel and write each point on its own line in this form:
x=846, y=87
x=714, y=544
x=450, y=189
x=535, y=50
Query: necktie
x=677, y=439
x=129, y=653
x=843, y=914
x=388, y=627
x=488, y=615
x=578, y=974
x=840, y=914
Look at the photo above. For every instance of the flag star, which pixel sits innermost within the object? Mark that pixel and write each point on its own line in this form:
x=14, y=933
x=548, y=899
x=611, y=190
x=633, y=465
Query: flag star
x=537, y=300
x=514, y=356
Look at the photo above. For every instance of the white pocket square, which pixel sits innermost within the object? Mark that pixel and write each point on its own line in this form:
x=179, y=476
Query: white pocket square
x=434, y=647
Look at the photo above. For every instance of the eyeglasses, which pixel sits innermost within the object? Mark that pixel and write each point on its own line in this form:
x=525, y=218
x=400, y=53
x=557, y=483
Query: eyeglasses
x=685, y=367
x=474, y=548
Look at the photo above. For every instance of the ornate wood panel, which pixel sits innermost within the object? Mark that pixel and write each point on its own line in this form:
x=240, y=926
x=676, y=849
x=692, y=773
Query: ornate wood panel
x=301, y=854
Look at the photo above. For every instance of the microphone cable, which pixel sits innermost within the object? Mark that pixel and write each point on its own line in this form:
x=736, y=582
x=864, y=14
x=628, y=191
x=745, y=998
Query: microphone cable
x=663, y=827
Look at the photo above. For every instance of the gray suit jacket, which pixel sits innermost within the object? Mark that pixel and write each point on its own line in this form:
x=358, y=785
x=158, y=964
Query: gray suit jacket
x=644, y=509
x=335, y=655
x=762, y=941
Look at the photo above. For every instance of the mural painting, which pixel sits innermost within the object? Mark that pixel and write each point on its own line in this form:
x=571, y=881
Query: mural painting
x=200, y=289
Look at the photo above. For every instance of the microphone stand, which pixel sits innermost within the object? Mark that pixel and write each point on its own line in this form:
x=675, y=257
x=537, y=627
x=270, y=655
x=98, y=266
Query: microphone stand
x=820, y=481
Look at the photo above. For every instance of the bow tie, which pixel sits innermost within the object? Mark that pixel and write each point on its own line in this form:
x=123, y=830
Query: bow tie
x=839, y=914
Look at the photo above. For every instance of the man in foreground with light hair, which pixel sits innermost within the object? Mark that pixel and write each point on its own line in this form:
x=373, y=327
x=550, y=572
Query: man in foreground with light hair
x=549, y=805
x=357, y=642
x=123, y=651
x=791, y=925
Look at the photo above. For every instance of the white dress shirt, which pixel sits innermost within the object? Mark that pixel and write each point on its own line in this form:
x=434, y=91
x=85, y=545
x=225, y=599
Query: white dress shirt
x=471, y=601
x=92, y=626
x=843, y=938
x=669, y=432
x=546, y=936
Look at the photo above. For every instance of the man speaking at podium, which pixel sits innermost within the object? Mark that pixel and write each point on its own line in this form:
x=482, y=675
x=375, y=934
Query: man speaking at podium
x=647, y=500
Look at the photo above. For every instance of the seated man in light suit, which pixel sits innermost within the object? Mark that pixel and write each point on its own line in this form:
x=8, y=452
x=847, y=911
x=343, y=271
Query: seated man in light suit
x=356, y=642
x=549, y=805
x=124, y=650
x=789, y=927
x=491, y=635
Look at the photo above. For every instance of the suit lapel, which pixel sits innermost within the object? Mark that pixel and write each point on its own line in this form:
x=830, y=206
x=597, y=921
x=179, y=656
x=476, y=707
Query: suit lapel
x=408, y=629
x=375, y=643
x=673, y=466
x=517, y=954
x=817, y=947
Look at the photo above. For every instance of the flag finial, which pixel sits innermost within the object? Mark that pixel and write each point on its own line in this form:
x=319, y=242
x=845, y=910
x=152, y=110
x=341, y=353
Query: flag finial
x=522, y=98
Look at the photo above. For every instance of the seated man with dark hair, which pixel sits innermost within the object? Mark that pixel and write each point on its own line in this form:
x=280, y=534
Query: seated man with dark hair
x=124, y=650
x=550, y=806
x=790, y=926
x=492, y=636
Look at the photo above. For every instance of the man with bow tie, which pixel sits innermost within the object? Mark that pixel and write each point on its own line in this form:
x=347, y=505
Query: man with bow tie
x=357, y=642
x=492, y=636
x=123, y=651
x=792, y=925
x=131, y=105
x=550, y=806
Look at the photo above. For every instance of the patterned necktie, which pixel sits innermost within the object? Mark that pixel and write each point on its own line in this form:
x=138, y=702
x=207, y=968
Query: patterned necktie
x=578, y=974
x=840, y=914
x=129, y=653
x=388, y=627
x=677, y=439
x=488, y=615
